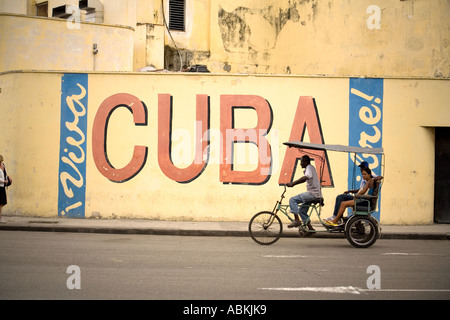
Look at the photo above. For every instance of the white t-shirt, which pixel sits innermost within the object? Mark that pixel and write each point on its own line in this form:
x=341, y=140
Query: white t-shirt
x=2, y=178
x=362, y=184
x=313, y=183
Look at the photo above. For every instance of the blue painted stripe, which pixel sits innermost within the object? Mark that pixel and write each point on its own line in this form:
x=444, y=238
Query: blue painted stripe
x=365, y=126
x=72, y=151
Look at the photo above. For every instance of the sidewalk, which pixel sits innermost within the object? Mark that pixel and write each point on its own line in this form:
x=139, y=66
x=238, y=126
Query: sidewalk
x=197, y=228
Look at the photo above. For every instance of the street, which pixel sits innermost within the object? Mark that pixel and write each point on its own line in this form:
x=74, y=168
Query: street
x=37, y=265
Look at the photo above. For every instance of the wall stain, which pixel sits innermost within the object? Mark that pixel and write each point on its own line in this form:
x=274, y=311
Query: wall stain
x=238, y=26
x=172, y=58
x=235, y=31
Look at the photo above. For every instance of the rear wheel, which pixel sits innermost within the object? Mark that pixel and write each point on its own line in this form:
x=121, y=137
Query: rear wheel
x=265, y=228
x=361, y=231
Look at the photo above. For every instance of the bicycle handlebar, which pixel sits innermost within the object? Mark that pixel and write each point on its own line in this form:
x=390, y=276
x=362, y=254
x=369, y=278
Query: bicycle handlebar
x=282, y=195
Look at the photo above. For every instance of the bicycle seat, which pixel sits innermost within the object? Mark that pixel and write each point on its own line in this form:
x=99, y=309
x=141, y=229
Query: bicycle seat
x=318, y=201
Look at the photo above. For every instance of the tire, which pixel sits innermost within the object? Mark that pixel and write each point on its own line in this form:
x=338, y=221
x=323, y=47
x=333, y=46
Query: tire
x=361, y=231
x=265, y=228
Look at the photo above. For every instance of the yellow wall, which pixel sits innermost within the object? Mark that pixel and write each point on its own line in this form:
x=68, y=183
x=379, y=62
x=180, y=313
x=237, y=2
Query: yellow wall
x=31, y=144
x=58, y=45
x=330, y=37
x=149, y=11
x=196, y=37
x=148, y=46
x=123, y=12
x=406, y=43
x=336, y=38
x=13, y=6
x=415, y=108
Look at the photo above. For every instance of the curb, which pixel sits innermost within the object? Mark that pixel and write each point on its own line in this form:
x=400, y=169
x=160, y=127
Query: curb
x=141, y=231
x=415, y=236
x=202, y=232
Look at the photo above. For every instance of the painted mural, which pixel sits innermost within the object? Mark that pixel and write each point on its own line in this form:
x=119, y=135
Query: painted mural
x=210, y=147
x=365, y=125
x=306, y=117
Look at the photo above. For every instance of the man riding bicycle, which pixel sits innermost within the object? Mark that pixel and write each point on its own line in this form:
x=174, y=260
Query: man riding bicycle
x=313, y=192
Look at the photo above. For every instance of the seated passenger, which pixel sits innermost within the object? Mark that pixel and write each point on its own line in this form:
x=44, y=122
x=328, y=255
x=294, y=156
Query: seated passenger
x=346, y=196
x=366, y=189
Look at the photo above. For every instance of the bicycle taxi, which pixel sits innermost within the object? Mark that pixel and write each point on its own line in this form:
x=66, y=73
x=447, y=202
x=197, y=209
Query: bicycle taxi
x=359, y=227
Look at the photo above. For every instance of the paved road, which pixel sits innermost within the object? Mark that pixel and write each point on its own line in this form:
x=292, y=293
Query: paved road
x=33, y=265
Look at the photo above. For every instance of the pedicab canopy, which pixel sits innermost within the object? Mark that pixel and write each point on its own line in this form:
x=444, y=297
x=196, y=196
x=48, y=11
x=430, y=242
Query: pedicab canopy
x=333, y=147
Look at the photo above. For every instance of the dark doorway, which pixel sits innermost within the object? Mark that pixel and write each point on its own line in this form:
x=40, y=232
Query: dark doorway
x=442, y=176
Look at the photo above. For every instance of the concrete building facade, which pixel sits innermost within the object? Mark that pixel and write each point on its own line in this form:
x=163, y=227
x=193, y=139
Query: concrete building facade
x=98, y=118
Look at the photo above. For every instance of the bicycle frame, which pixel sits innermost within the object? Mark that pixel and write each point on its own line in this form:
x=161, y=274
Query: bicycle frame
x=312, y=207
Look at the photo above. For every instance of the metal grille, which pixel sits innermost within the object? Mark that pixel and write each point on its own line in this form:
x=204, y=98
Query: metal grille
x=176, y=15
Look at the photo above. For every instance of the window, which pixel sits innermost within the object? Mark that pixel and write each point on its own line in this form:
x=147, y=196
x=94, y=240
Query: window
x=82, y=4
x=61, y=12
x=176, y=15
x=42, y=9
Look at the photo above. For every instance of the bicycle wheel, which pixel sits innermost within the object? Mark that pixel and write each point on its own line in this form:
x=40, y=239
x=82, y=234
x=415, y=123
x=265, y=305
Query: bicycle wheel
x=265, y=228
x=361, y=231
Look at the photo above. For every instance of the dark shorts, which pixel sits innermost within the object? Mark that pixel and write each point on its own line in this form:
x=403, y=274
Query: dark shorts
x=3, y=195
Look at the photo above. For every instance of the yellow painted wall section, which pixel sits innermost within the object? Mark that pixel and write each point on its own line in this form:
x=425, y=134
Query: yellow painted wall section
x=122, y=12
x=149, y=11
x=335, y=38
x=196, y=36
x=29, y=130
x=414, y=108
x=148, y=46
x=13, y=6
x=59, y=45
x=345, y=38
x=31, y=137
